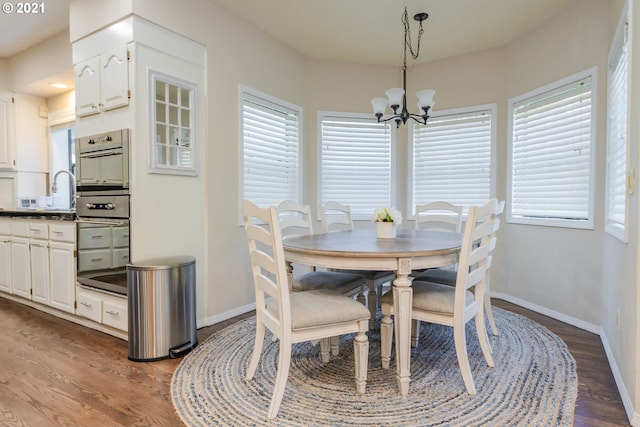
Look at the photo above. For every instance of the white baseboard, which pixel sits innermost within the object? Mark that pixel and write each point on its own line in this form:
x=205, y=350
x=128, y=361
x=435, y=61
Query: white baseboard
x=225, y=316
x=550, y=313
x=634, y=417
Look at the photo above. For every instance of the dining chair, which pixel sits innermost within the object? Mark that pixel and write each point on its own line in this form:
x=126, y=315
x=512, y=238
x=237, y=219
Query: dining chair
x=336, y=216
x=455, y=305
x=439, y=216
x=448, y=277
x=295, y=317
x=295, y=220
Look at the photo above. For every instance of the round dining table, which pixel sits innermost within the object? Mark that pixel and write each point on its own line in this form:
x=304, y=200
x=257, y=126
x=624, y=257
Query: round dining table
x=361, y=249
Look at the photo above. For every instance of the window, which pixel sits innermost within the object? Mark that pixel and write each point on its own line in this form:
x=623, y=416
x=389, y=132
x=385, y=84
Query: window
x=551, y=146
x=172, y=149
x=616, y=199
x=356, y=157
x=270, y=132
x=450, y=158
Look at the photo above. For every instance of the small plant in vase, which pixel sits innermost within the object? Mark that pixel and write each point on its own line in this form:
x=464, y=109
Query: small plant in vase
x=387, y=220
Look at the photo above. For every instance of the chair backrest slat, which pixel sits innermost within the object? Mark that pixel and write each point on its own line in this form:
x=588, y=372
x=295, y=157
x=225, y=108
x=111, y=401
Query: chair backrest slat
x=264, y=238
x=335, y=216
x=439, y=216
x=294, y=219
x=476, y=244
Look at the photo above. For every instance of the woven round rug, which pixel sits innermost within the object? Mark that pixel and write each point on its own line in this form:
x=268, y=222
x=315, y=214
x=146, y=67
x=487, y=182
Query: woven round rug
x=533, y=383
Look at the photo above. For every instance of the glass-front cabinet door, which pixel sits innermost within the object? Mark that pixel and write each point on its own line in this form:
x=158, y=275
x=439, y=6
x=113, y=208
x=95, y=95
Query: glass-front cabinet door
x=172, y=150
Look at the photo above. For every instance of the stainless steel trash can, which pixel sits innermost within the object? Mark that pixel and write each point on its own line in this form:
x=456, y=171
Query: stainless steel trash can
x=162, y=303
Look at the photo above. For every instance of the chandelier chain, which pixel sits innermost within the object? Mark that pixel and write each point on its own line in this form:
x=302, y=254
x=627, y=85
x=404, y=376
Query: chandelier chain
x=407, y=37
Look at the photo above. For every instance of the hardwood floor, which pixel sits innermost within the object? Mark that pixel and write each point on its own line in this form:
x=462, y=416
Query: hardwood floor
x=57, y=373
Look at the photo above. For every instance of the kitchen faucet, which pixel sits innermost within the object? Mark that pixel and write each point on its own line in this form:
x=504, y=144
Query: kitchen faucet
x=54, y=187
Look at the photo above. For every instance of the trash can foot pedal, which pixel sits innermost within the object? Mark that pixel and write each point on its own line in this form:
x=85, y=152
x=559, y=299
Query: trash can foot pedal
x=181, y=350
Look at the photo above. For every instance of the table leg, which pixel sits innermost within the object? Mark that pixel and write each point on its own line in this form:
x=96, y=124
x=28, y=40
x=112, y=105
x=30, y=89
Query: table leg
x=402, y=295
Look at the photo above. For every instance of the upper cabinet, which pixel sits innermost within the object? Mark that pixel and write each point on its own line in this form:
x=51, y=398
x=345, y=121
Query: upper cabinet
x=23, y=133
x=6, y=131
x=102, y=82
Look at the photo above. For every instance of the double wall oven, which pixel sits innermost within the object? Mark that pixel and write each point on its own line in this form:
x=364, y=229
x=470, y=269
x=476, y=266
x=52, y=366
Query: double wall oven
x=102, y=210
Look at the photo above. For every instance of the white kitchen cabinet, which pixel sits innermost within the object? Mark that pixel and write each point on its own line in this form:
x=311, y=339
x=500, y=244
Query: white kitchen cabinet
x=62, y=264
x=24, y=159
x=108, y=309
x=102, y=82
x=20, y=267
x=6, y=130
x=89, y=305
x=114, y=313
x=39, y=263
x=43, y=263
x=5, y=256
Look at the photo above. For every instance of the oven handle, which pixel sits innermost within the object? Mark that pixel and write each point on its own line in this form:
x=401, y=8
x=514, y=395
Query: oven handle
x=108, y=223
x=102, y=153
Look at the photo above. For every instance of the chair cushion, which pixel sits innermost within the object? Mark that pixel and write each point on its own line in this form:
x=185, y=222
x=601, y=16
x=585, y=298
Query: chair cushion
x=333, y=280
x=438, y=275
x=433, y=297
x=312, y=309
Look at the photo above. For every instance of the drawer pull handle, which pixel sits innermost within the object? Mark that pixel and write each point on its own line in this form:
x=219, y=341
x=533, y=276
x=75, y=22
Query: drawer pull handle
x=113, y=313
x=86, y=304
x=96, y=259
x=56, y=232
x=97, y=237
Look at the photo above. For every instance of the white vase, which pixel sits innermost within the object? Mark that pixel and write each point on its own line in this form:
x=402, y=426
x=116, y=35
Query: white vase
x=386, y=230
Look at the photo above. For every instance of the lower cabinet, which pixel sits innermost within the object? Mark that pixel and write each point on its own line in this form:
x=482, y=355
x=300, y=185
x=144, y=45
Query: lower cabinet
x=20, y=267
x=62, y=266
x=108, y=309
x=5, y=256
x=62, y=279
x=40, y=258
x=38, y=263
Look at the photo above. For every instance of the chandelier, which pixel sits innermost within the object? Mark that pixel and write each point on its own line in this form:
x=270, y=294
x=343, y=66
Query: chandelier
x=398, y=96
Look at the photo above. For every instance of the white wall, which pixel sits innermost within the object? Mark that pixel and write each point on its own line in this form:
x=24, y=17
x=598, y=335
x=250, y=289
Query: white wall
x=585, y=275
x=237, y=53
x=40, y=62
x=5, y=79
x=558, y=269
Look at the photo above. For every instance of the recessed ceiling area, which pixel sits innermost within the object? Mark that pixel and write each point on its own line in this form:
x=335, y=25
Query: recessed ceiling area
x=360, y=31
x=371, y=31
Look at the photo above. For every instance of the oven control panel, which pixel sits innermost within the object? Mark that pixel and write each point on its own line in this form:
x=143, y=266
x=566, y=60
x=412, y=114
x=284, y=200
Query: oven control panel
x=105, y=141
x=105, y=206
x=100, y=206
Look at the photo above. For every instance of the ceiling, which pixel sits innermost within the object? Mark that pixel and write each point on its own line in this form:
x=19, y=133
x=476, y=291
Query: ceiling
x=371, y=31
x=20, y=31
x=361, y=31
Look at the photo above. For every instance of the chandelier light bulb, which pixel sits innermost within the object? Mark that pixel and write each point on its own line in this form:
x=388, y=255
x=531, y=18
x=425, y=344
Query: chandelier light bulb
x=425, y=98
x=379, y=105
x=395, y=96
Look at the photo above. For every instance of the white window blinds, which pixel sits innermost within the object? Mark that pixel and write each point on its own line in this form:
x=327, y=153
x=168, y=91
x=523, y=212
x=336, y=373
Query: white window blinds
x=355, y=163
x=617, y=135
x=451, y=158
x=270, y=145
x=551, y=153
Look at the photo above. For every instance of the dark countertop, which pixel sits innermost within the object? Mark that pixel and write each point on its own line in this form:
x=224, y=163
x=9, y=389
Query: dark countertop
x=48, y=214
